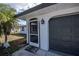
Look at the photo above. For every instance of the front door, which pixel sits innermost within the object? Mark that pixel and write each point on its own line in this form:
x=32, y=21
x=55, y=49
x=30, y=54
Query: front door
x=34, y=33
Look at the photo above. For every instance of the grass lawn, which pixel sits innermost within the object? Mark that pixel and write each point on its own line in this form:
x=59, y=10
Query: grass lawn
x=12, y=37
x=16, y=42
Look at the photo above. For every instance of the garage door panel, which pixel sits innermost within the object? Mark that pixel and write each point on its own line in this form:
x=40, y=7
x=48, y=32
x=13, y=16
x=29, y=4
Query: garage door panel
x=76, y=30
x=62, y=42
x=63, y=46
x=67, y=38
x=65, y=34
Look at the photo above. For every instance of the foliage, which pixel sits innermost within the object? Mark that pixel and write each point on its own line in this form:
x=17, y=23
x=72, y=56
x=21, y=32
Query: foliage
x=7, y=20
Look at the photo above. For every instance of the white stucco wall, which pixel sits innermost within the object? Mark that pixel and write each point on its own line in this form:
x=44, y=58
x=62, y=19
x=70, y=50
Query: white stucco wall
x=43, y=34
x=59, y=9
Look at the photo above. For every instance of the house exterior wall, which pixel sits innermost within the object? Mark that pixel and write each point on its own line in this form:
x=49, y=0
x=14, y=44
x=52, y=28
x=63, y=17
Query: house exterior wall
x=25, y=30
x=58, y=9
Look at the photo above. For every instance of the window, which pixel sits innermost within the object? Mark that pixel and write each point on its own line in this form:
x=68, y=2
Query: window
x=33, y=27
x=22, y=28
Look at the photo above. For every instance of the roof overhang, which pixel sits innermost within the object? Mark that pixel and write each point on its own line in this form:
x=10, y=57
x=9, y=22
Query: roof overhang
x=36, y=8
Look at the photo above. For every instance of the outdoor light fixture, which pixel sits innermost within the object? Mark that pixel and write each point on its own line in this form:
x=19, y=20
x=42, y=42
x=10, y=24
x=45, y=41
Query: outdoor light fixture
x=42, y=21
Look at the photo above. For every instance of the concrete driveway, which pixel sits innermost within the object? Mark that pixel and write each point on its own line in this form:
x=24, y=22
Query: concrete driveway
x=40, y=52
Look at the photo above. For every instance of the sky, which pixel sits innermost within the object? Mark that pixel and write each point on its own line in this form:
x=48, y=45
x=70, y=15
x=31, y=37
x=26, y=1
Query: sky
x=20, y=7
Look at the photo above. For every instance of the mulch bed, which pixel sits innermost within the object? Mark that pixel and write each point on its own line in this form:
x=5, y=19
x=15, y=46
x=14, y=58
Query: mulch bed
x=14, y=46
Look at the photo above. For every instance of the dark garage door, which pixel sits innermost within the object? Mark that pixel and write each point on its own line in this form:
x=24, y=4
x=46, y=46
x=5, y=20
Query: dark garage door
x=64, y=34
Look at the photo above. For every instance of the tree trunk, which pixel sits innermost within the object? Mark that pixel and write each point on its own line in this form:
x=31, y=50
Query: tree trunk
x=6, y=44
x=5, y=37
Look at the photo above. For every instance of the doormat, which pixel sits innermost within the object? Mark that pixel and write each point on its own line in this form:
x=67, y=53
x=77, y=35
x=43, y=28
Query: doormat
x=32, y=49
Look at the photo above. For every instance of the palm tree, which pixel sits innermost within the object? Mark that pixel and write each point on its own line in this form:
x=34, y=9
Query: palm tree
x=7, y=20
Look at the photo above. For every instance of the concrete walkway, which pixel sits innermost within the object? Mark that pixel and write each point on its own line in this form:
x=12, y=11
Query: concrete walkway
x=23, y=52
